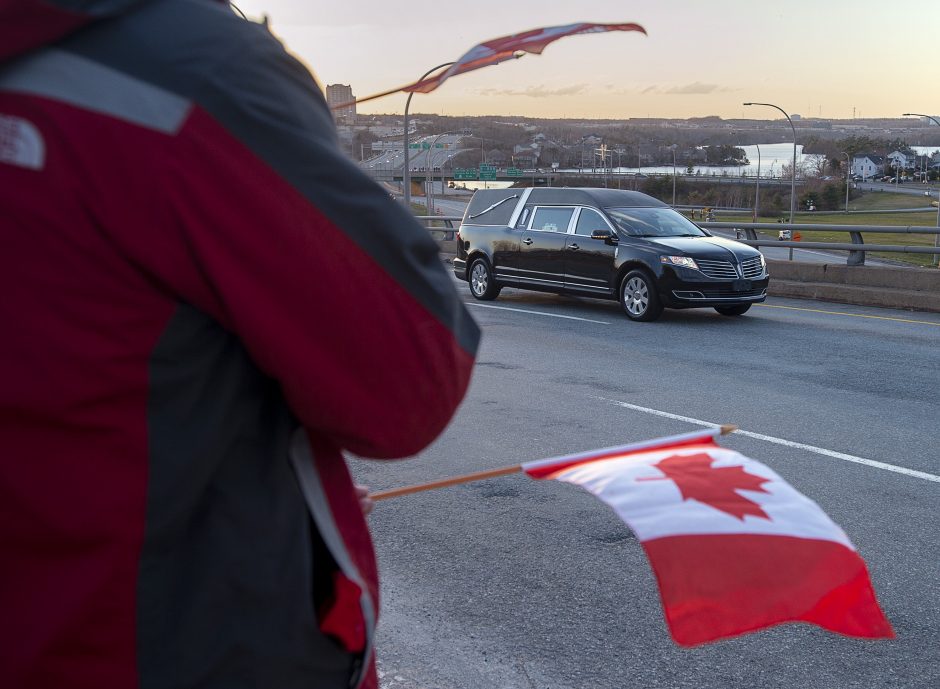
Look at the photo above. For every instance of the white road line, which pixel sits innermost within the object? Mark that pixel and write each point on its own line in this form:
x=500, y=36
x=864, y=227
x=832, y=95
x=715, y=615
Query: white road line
x=781, y=441
x=537, y=313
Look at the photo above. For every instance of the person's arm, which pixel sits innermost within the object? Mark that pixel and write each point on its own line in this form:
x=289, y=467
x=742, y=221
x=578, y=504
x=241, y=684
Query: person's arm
x=333, y=287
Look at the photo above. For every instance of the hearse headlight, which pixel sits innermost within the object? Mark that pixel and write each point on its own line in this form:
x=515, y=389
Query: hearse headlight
x=684, y=261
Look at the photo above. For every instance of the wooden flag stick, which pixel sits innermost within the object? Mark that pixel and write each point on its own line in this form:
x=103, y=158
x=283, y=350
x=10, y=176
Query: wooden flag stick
x=365, y=99
x=442, y=483
x=490, y=473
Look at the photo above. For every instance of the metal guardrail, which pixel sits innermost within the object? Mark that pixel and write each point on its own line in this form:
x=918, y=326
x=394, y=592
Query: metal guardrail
x=857, y=248
x=445, y=233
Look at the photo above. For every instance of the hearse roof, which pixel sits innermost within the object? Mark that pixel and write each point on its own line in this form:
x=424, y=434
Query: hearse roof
x=589, y=196
x=495, y=206
x=496, y=203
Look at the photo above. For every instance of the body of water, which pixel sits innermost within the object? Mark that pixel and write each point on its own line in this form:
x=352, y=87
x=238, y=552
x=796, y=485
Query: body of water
x=772, y=159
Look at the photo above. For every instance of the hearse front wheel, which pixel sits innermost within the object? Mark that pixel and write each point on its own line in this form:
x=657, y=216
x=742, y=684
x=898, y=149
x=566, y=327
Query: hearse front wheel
x=482, y=284
x=639, y=298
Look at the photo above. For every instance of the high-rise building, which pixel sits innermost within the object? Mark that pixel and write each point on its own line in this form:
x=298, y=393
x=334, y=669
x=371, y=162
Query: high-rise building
x=341, y=93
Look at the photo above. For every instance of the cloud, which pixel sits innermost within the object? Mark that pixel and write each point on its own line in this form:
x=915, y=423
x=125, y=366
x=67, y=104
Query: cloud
x=695, y=88
x=537, y=91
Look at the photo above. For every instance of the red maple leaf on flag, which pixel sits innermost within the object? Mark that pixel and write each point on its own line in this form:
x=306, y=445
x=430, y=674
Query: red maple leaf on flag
x=716, y=487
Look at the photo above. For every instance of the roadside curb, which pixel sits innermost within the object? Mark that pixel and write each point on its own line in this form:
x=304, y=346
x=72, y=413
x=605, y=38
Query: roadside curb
x=917, y=289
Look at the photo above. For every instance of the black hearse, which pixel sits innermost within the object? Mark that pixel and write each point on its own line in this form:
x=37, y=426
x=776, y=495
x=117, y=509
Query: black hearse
x=604, y=243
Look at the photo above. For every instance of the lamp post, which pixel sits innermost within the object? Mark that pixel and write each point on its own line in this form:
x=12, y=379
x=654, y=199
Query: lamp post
x=757, y=187
x=793, y=171
x=936, y=257
x=847, y=170
x=673, y=147
x=636, y=178
x=406, y=174
x=430, y=169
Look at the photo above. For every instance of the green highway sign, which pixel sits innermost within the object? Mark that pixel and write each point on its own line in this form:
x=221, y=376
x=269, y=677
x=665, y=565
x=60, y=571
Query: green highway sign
x=513, y=172
x=486, y=174
x=466, y=173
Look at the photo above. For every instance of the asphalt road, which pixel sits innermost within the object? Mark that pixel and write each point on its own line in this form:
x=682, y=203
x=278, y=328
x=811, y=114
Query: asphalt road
x=512, y=582
x=911, y=189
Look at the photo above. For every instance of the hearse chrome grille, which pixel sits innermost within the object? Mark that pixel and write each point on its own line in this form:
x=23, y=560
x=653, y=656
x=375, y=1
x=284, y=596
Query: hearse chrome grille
x=720, y=270
x=751, y=268
x=730, y=294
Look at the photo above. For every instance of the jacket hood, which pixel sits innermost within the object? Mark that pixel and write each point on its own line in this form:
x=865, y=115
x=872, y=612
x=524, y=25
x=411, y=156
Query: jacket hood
x=26, y=25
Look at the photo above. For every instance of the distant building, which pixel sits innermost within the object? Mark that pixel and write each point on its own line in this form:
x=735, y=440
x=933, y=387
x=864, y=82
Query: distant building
x=903, y=159
x=867, y=165
x=496, y=157
x=341, y=93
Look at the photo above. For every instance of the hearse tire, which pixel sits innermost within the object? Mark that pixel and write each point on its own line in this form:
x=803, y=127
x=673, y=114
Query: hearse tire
x=639, y=298
x=482, y=283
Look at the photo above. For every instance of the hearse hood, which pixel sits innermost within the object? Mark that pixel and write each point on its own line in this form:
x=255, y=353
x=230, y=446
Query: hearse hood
x=704, y=247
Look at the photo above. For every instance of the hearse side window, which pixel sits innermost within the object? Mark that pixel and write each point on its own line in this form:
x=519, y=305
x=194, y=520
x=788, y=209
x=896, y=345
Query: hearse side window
x=552, y=219
x=524, y=218
x=588, y=221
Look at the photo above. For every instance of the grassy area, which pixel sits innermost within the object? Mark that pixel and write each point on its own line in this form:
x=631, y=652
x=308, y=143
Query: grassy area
x=887, y=200
x=870, y=201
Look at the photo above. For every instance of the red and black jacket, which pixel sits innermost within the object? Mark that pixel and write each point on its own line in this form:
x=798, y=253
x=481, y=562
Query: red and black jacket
x=203, y=304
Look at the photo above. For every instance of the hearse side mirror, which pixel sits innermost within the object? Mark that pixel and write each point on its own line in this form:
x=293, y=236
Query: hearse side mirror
x=606, y=235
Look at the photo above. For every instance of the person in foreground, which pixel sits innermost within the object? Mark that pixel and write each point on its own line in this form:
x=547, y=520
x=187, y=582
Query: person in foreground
x=205, y=304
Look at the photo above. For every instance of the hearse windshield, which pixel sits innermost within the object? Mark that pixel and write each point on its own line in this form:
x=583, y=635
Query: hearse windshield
x=653, y=222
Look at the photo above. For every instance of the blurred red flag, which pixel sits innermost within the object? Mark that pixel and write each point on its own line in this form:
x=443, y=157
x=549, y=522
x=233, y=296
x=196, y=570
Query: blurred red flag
x=505, y=48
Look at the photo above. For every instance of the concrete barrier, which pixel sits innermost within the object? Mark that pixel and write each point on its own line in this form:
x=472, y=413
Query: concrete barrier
x=917, y=289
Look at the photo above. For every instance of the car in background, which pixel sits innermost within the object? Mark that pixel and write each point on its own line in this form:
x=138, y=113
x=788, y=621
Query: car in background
x=605, y=243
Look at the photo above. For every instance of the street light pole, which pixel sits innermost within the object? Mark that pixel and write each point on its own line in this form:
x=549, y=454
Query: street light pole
x=430, y=169
x=936, y=257
x=847, y=170
x=793, y=171
x=757, y=187
x=673, y=147
x=406, y=173
x=636, y=179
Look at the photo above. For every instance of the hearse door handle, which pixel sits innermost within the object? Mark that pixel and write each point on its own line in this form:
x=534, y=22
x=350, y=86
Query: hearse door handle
x=573, y=247
x=527, y=241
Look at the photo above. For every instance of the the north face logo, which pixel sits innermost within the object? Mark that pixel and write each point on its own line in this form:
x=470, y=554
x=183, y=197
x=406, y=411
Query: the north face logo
x=21, y=143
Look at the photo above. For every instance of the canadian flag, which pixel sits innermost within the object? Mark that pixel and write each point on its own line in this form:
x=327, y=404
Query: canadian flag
x=733, y=546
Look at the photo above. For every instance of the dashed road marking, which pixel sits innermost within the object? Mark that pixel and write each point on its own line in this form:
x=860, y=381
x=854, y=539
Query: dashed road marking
x=537, y=313
x=781, y=441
